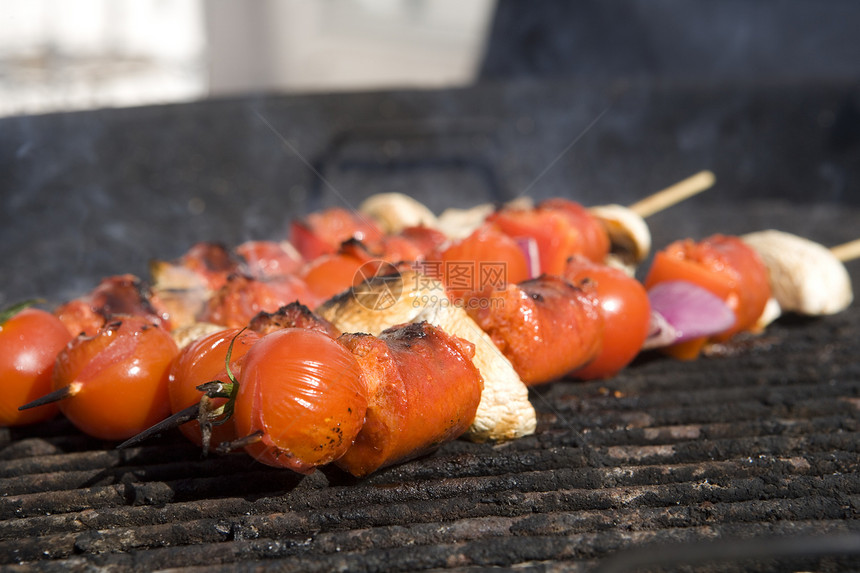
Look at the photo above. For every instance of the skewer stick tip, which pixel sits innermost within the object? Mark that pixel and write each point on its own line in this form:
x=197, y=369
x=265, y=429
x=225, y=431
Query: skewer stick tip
x=55, y=396
x=674, y=194
x=847, y=251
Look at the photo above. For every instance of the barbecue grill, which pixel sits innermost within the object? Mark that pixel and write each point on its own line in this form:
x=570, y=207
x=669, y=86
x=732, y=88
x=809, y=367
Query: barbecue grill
x=746, y=459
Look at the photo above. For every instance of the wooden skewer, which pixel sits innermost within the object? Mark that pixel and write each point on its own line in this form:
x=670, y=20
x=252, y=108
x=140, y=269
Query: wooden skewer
x=847, y=251
x=674, y=194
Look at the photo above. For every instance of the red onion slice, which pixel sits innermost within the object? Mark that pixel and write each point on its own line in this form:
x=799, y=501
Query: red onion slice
x=685, y=311
x=529, y=248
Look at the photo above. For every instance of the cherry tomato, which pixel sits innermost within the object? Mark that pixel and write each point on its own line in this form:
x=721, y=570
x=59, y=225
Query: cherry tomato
x=333, y=273
x=294, y=315
x=306, y=396
x=204, y=360
x=426, y=239
x=120, y=294
x=29, y=343
x=204, y=264
x=242, y=297
x=595, y=239
x=410, y=244
x=486, y=258
x=266, y=259
x=626, y=315
x=117, y=379
x=723, y=265
x=323, y=232
x=554, y=230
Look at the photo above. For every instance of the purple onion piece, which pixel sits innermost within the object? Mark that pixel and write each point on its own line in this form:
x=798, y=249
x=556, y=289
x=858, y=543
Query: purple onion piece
x=690, y=310
x=529, y=248
x=660, y=332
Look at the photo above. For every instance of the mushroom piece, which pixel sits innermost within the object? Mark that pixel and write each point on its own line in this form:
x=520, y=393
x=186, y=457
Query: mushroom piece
x=460, y=223
x=185, y=335
x=393, y=212
x=504, y=412
x=806, y=278
x=628, y=232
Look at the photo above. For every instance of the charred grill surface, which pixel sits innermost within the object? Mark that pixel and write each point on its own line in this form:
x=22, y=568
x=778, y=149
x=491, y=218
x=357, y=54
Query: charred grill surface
x=758, y=444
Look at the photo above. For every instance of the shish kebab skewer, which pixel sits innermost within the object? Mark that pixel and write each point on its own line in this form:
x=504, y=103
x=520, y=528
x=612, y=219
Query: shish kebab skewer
x=798, y=276
x=505, y=411
x=502, y=421
x=628, y=232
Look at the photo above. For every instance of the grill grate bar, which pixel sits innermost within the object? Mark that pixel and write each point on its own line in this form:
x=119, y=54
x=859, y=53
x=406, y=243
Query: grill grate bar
x=844, y=489
x=263, y=481
x=471, y=543
x=594, y=478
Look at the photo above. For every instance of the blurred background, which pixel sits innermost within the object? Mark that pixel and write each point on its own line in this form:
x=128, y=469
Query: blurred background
x=57, y=55
x=277, y=108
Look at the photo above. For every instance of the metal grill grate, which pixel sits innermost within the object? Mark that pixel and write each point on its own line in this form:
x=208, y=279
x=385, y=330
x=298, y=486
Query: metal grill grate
x=760, y=444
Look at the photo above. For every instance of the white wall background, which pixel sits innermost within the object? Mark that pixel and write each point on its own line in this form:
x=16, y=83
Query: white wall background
x=60, y=55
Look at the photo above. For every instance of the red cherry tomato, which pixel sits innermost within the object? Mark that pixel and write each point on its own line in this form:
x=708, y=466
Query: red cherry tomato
x=119, y=294
x=333, y=273
x=486, y=258
x=117, y=379
x=427, y=240
x=204, y=264
x=626, y=315
x=305, y=394
x=204, y=360
x=266, y=259
x=29, y=343
x=595, y=239
x=241, y=298
x=723, y=265
x=560, y=229
x=323, y=232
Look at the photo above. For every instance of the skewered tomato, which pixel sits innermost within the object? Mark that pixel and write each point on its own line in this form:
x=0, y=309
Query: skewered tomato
x=242, y=297
x=29, y=342
x=304, y=395
x=332, y=273
x=119, y=294
x=115, y=383
x=323, y=232
x=626, y=315
x=595, y=239
x=265, y=259
x=723, y=265
x=561, y=229
x=485, y=258
x=204, y=360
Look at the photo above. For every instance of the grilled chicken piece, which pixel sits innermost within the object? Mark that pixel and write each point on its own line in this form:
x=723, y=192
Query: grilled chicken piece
x=504, y=412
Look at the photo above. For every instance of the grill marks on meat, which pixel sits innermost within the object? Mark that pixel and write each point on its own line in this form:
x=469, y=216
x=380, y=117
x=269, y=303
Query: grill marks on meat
x=545, y=326
x=424, y=391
